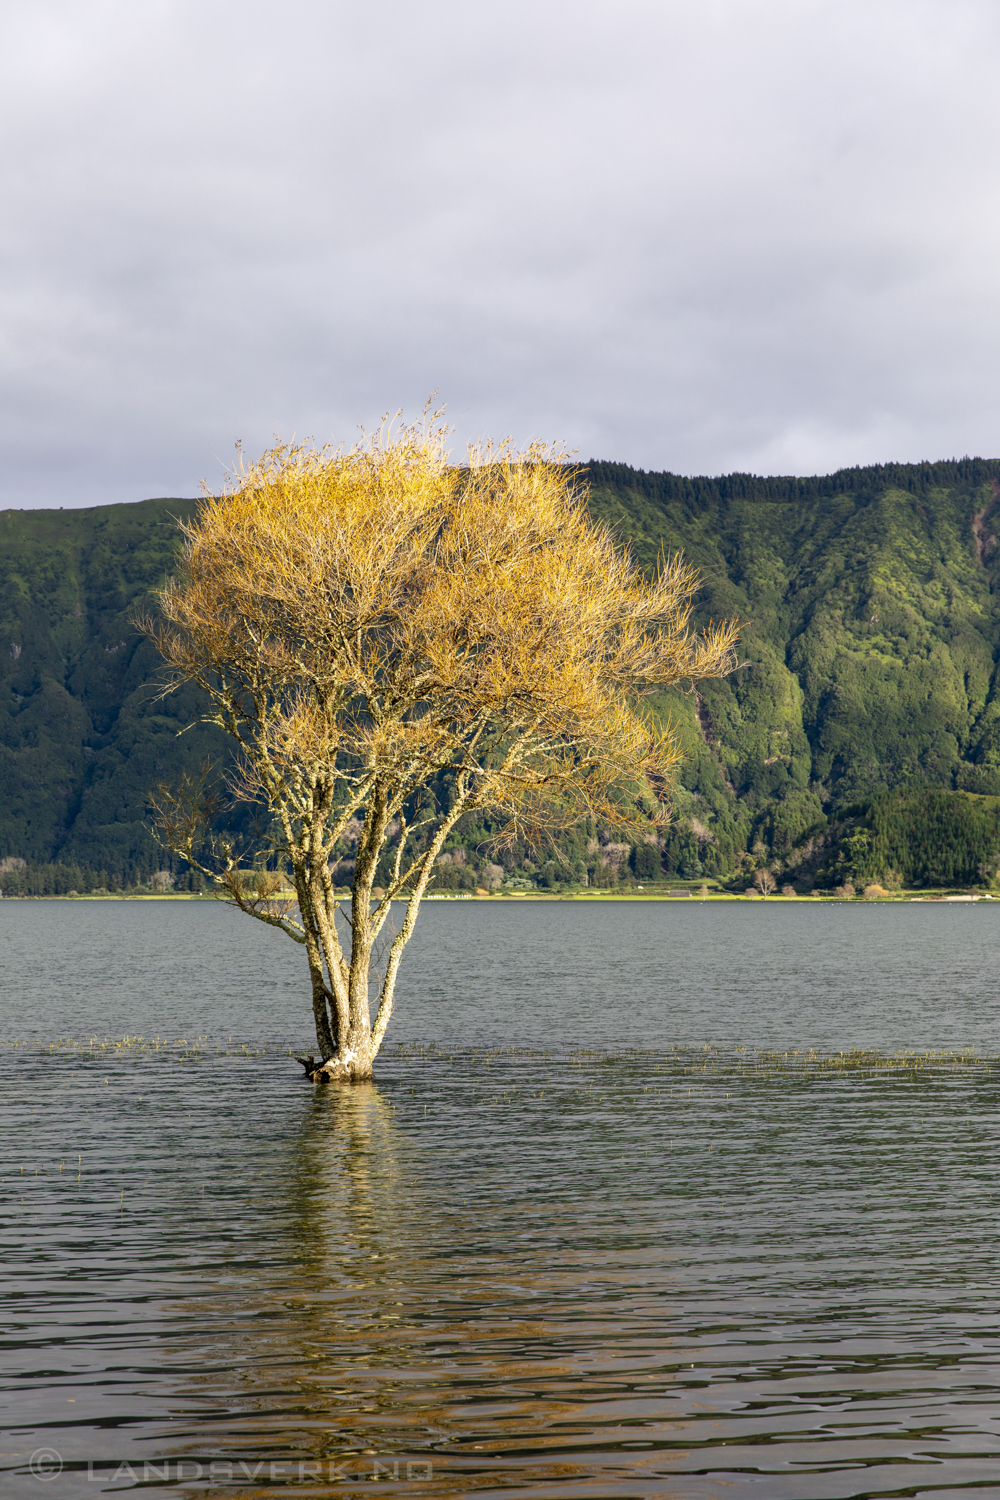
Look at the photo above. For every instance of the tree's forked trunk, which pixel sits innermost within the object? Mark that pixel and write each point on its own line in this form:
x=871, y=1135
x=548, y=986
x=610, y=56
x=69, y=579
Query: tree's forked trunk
x=348, y=1040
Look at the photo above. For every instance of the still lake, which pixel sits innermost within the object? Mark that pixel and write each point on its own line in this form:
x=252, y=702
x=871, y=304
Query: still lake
x=642, y=1253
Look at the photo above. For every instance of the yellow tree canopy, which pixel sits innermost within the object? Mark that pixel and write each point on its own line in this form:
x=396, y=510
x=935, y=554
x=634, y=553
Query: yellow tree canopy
x=365, y=620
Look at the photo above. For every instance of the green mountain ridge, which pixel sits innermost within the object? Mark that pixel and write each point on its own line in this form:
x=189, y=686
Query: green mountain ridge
x=871, y=637
x=870, y=651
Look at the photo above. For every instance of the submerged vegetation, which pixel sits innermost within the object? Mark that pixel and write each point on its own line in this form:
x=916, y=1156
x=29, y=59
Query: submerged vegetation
x=141, y=1048
x=678, y=1067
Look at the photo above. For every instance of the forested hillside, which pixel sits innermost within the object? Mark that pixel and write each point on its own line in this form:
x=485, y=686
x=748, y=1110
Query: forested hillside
x=870, y=649
x=82, y=732
x=871, y=638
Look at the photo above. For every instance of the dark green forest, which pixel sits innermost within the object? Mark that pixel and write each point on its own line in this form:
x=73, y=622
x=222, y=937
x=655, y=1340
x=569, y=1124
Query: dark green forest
x=859, y=739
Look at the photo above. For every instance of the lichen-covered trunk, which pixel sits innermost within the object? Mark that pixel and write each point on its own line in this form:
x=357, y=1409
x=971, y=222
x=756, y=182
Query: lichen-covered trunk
x=348, y=1040
x=343, y=1033
x=349, y=1055
x=352, y=1055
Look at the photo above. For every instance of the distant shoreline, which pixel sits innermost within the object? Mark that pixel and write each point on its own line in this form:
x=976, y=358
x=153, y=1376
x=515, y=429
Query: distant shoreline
x=937, y=898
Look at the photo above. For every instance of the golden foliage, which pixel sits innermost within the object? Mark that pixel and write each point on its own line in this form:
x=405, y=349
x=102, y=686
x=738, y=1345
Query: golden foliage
x=384, y=608
x=364, y=620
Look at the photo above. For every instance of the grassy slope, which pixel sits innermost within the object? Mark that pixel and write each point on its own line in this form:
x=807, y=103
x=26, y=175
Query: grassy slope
x=871, y=648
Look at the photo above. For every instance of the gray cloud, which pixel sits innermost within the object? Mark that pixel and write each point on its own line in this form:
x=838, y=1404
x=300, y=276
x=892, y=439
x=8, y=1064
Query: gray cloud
x=754, y=234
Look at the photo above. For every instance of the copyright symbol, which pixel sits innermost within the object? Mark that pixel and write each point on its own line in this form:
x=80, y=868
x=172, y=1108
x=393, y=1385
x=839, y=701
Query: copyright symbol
x=45, y=1463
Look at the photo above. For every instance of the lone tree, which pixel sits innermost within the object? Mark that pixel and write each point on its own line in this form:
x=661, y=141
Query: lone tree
x=394, y=641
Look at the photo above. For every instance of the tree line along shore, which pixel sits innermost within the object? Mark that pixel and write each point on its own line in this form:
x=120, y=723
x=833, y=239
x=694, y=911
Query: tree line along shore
x=662, y=894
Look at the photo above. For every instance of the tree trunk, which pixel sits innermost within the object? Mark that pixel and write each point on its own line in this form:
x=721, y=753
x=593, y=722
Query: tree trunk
x=341, y=1068
x=347, y=1053
x=348, y=1042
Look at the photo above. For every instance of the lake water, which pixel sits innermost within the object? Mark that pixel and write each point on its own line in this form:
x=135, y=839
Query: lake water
x=642, y=1253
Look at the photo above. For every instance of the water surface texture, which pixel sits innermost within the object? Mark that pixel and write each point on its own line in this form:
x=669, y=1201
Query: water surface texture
x=591, y=1233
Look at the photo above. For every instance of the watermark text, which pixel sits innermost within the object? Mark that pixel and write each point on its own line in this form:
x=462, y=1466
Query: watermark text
x=47, y=1464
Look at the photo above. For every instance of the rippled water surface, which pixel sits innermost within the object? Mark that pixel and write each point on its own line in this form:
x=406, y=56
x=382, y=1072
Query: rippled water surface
x=643, y=1253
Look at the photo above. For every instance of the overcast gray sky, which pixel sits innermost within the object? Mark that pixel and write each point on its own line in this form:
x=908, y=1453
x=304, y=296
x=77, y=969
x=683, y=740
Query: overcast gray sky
x=698, y=235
